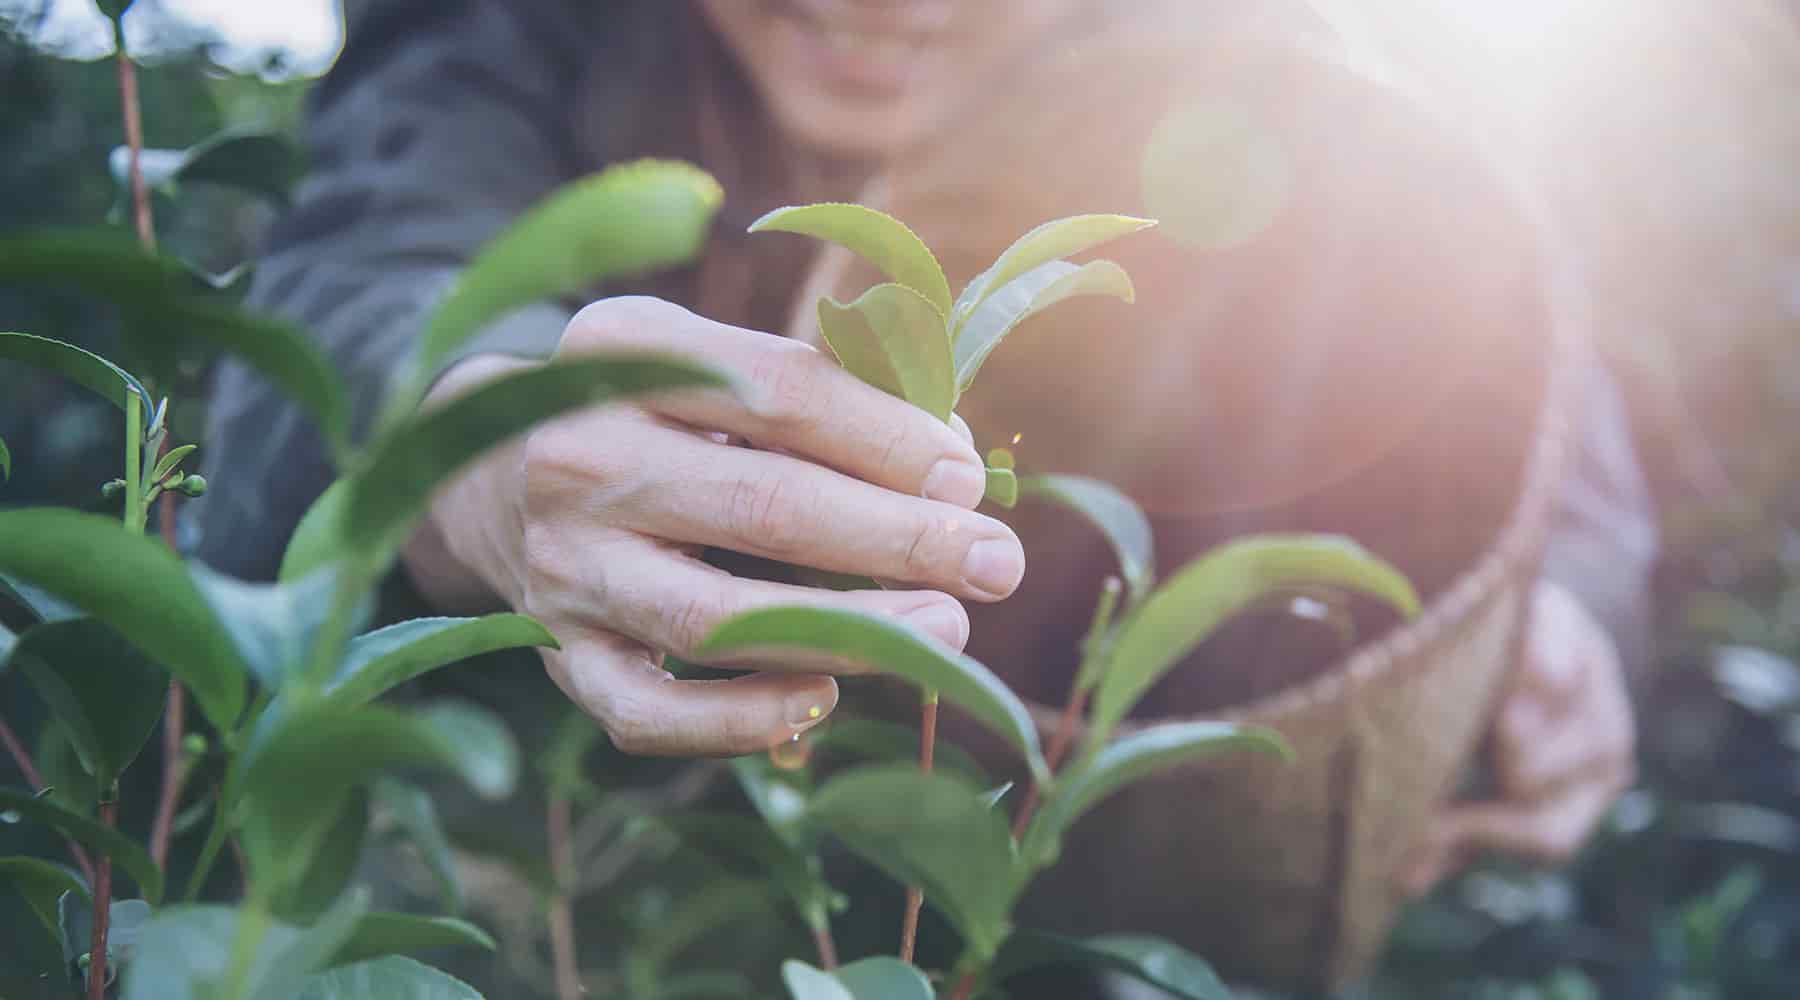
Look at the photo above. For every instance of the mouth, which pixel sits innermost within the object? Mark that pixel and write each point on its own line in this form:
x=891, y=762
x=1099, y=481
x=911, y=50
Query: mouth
x=869, y=48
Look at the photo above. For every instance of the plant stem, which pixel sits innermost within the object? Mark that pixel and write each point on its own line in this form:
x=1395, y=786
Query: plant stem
x=915, y=896
x=1053, y=755
x=134, y=468
x=252, y=924
x=965, y=985
x=174, y=775
x=1093, y=647
x=562, y=911
x=827, y=948
x=96, y=972
x=28, y=768
x=134, y=140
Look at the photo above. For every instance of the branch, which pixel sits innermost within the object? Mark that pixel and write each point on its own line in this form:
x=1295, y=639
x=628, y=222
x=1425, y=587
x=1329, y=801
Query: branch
x=915, y=896
x=562, y=914
x=29, y=769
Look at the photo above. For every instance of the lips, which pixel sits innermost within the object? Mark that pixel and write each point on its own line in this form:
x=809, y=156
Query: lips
x=866, y=21
x=870, y=48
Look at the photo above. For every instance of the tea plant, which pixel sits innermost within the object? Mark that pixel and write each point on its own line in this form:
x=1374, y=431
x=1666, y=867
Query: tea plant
x=939, y=833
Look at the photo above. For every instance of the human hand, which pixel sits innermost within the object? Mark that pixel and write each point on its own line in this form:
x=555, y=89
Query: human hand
x=1563, y=746
x=593, y=524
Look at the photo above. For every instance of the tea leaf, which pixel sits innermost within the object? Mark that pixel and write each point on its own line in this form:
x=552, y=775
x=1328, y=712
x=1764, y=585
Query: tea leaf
x=272, y=625
x=256, y=161
x=1119, y=519
x=125, y=920
x=303, y=777
x=1050, y=241
x=186, y=951
x=99, y=686
x=873, y=739
x=627, y=219
x=1024, y=297
x=333, y=863
x=41, y=883
x=395, y=976
x=170, y=460
x=416, y=815
x=879, y=238
x=318, y=538
x=1128, y=760
x=893, y=648
x=932, y=831
x=778, y=796
x=85, y=368
x=893, y=339
x=1002, y=487
x=377, y=662
x=758, y=852
x=400, y=473
x=104, y=839
x=1201, y=595
x=482, y=748
x=135, y=585
x=879, y=978
x=156, y=298
x=1149, y=959
x=378, y=934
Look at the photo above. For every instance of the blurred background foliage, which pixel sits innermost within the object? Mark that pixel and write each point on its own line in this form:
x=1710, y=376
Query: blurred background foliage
x=1666, y=136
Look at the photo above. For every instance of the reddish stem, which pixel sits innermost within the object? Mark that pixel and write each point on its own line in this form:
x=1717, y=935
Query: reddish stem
x=827, y=948
x=29, y=769
x=174, y=775
x=109, y=814
x=562, y=914
x=915, y=896
x=1059, y=746
x=964, y=987
x=134, y=140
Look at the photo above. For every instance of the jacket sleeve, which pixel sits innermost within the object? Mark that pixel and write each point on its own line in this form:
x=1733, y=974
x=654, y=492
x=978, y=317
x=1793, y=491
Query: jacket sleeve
x=440, y=122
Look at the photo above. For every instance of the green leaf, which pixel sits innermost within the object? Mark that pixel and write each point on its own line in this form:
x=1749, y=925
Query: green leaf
x=1002, y=487
x=400, y=473
x=272, y=626
x=482, y=749
x=1204, y=593
x=161, y=309
x=1132, y=759
x=881, y=239
x=85, y=368
x=103, y=839
x=1026, y=296
x=893, y=339
x=1119, y=519
x=124, y=925
x=778, y=796
x=758, y=852
x=416, y=815
x=40, y=603
x=377, y=662
x=932, y=831
x=1050, y=241
x=378, y=934
x=877, y=978
x=627, y=219
x=331, y=867
x=893, y=648
x=99, y=686
x=392, y=978
x=305, y=773
x=1149, y=959
x=5, y=461
x=186, y=951
x=317, y=540
x=884, y=978
x=114, y=9
x=170, y=460
x=256, y=161
x=41, y=883
x=872, y=739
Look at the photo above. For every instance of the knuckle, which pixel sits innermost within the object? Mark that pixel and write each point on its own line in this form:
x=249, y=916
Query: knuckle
x=763, y=513
x=789, y=379
x=691, y=620
x=924, y=555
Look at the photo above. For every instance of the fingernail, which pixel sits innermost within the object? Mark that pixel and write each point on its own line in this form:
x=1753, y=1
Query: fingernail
x=993, y=566
x=943, y=620
x=955, y=481
x=805, y=711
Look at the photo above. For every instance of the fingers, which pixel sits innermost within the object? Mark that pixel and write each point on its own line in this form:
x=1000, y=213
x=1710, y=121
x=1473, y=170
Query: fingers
x=795, y=512
x=791, y=398
x=1549, y=832
x=645, y=711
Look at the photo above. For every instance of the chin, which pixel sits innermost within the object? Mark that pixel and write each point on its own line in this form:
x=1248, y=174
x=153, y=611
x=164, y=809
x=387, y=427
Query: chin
x=850, y=130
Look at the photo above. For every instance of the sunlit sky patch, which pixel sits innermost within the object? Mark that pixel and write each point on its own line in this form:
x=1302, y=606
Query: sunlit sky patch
x=307, y=32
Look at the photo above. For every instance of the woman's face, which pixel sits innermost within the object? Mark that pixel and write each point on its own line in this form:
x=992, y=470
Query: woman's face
x=865, y=78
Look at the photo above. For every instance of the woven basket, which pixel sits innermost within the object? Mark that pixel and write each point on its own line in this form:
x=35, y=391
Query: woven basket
x=1288, y=869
